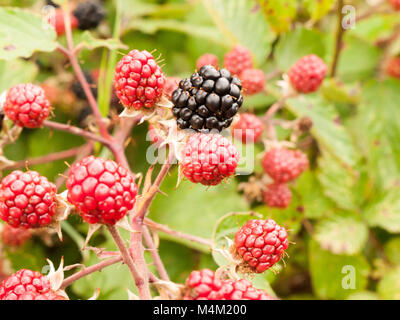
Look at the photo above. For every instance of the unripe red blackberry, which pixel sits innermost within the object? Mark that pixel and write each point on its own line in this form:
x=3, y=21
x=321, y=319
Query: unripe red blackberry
x=242, y=290
x=57, y=21
x=50, y=295
x=207, y=59
x=171, y=84
x=24, y=281
x=393, y=67
x=277, y=195
x=208, y=100
x=27, y=200
x=101, y=190
x=284, y=165
x=395, y=4
x=307, y=74
x=202, y=285
x=253, y=81
x=208, y=158
x=238, y=59
x=14, y=237
x=89, y=14
x=138, y=80
x=248, y=129
x=261, y=244
x=26, y=105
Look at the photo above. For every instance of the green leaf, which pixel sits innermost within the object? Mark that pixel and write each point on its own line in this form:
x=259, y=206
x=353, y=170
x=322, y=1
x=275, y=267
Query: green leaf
x=318, y=8
x=194, y=208
x=336, y=276
x=341, y=234
x=389, y=287
x=16, y=71
x=377, y=131
x=336, y=91
x=313, y=201
x=279, y=13
x=236, y=20
x=327, y=130
x=331, y=171
x=358, y=59
x=385, y=212
x=22, y=33
x=295, y=44
x=392, y=250
x=87, y=40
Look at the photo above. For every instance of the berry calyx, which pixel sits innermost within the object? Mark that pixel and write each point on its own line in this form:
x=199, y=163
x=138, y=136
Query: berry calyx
x=27, y=200
x=88, y=14
x=248, y=129
x=101, y=190
x=202, y=285
x=253, y=81
x=207, y=59
x=138, y=80
x=208, y=158
x=261, y=244
x=284, y=165
x=26, y=105
x=277, y=195
x=14, y=237
x=393, y=67
x=238, y=59
x=208, y=100
x=307, y=74
x=24, y=284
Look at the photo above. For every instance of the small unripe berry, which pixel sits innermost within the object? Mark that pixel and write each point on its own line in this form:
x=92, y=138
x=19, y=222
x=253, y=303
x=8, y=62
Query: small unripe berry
x=393, y=67
x=261, y=244
x=207, y=59
x=307, y=74
x=253, y=81
x=26, y=105
x=238, y=59
x=248, y=129
x=277, y=195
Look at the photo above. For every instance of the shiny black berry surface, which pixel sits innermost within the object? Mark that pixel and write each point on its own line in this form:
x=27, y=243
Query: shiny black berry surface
x=208, y=100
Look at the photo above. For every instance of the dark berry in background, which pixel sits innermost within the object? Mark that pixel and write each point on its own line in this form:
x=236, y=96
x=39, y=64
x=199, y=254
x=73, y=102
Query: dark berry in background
x=208, y=100
x=78, y=90
x=89, y=15
x=51, y=3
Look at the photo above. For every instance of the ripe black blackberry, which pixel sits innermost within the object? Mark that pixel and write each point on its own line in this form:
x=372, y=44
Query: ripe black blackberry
x=208, y=100
x=78, y=90
x=89, y=15
x=51, y=3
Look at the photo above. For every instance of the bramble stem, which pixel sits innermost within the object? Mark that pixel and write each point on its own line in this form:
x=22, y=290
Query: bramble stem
x=141, y=284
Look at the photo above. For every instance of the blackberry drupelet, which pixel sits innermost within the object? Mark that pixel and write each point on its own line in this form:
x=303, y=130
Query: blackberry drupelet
x=89, y=15
x=208, y=100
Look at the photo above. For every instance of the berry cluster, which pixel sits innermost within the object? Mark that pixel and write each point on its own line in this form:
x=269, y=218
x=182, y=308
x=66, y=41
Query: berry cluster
x=138, y=80
x=208, y=158
x=203, y=285
x=27, y=200
x=307, y=74
x=248, y=129
x=27, y=285
x=208, y=100
x=207, y=59
x=26, y=105
x=261, y=244
x=101, y=190
x=282, y=165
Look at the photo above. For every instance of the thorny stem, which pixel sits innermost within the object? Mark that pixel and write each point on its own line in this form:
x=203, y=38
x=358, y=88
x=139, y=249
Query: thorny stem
x=163, y=228
x=154, y=252
x=47, y=158
x=141, y=284
x=86, y=271
x=270, y=113
x=81, y=77
x=339, y=38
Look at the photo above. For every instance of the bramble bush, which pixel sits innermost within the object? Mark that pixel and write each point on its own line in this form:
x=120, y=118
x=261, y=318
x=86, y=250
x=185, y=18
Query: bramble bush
x=208, y=149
